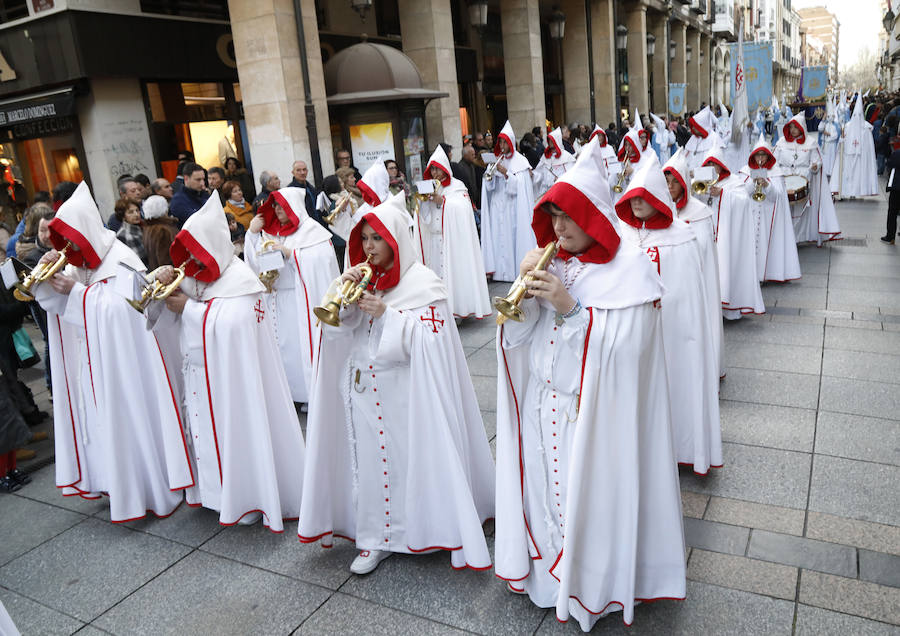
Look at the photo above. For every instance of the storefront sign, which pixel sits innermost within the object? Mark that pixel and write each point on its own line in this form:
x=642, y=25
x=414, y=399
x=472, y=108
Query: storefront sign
x=24, y=111
x=43, y=128
x=371, y=143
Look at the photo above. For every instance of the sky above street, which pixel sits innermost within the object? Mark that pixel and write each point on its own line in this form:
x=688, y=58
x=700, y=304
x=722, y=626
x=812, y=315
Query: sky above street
x=860, y=24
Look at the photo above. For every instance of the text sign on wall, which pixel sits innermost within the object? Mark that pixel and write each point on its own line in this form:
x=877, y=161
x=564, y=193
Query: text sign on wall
x=370, y=143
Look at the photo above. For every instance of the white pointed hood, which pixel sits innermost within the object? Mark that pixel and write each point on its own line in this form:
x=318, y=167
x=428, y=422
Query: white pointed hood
x=649, y=184
x=633, y=140
x=440, y=159
x=554, y=144
x=678, y=167
x=643, y=135
x=506, y=133
x=78, y=221
x=855, y=129
x=408, y=283
x=375, y=184
x=300, y=231
x=213, y=270
x=716, y=155
x=623, y=276
x=703, y=123
x=762, y=144
x=600, y=134
x=800, y=120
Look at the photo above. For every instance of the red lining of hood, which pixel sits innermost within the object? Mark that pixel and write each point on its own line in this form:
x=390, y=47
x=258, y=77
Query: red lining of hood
x=62, y=233
x=599, y=131
x=271, y=224
x=644, y=137
x=722, y=175
x=697, y=129
x=586, y=215
x=656, y=222
x=801, y=138
x=681, y=202
x=512, y=146
x=768, y=165
x=621, y=155
x=388, y=278
x=554, y=152
x=446, y=180
x=368, y=194
x=183, y=247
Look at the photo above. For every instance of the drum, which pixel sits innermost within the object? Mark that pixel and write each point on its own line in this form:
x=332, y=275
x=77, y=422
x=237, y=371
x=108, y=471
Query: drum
x=797, y=187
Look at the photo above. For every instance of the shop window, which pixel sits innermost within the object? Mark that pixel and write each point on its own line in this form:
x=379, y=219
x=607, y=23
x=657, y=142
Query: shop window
x=387, y=17
x=13, y=10
x=49, y=160
x=205, y=9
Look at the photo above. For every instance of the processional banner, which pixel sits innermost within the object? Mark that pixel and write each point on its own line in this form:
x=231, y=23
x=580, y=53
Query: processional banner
x=757, y=73
x=813, y=83
x=676, y=99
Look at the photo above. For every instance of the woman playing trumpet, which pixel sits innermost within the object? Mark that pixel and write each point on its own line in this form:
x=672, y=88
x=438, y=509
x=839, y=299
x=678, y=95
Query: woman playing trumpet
x=398, y=457
x=588, y=509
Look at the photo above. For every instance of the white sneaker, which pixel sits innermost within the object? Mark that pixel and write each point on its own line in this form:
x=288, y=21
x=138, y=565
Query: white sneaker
x=368, y=560
x=250, y=519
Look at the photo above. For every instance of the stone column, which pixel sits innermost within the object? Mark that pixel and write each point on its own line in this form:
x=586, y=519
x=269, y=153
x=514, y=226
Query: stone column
x=576, y=80
x=656, y=24
x=636, y=21
x=693, y=71
x=705, y=66
x=427, y=29
x=523, y=64
x=267, y=52
x=679, y=65
x=604, y=44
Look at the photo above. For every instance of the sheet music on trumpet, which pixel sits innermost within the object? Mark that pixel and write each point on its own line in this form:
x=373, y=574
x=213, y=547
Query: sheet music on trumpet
x=129, y=283
x=488, y=157
x=270, y=260
x=9, y=273
x=705, y=173
x=425, y=187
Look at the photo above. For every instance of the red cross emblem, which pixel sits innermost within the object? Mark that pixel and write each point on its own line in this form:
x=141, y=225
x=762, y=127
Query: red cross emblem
x=260, y=312
x=855, y=142
x=433, y=319
x=653, y=253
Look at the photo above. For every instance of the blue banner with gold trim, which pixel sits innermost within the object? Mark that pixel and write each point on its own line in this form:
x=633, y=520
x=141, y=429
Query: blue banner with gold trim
x=813, y=83
x=676, y=99
x=757, y=73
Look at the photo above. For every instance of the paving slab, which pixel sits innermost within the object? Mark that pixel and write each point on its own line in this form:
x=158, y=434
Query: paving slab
x=770, y=387
x=854, y=489
x=473, y=334
x=880, y=568
x=693, y=504
x=344, y=614
x=755, y=515
x=30, y=617
x=805, y=553
x=206, y=594
x=710, y=609
x=483, y=362
x=717, y=537
x=796, y=296
x=868, y=600
x=773, y=357
x=43, y=488
x=485, y=391
x=761, y=475
x=793, y=330
x=859, y=397
x=285, y=555
x=857, y=437
x=864, y=283
x=426, y=586
x=25, y=524
x=886, y=301
x=766, y=425
x=815, y=621
x=858, y=365
x=188, y=525
x=90, y=567
x=742, y=573
x=861, y=340
x=862, y=534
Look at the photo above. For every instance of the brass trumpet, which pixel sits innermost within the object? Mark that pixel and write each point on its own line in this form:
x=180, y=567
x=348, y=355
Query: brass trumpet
x=438, y=188
x=491, y=169
x=620, y=184
x=758, y=194
x=40, y=273
x=701, y=187
x=341, y=202
x=268, y=277
x=347, y=294
x=509, y=307
x=155, y=290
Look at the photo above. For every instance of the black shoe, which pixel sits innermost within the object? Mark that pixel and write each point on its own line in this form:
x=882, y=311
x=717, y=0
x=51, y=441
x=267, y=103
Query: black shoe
x=8, y=484
x=35, y=417
x=887, y=239
x=19, y=476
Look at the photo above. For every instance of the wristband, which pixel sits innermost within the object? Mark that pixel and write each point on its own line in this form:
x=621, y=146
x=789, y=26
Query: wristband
x=561, y=318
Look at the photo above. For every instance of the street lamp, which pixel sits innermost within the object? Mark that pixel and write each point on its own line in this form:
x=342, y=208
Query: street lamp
x=557, y=24
x=621, y=37
x=687, y=54
x=888, y=20
x=361, y=7
x=478, y=13
x=651, y=50
x=672, y=49
x=651, y=45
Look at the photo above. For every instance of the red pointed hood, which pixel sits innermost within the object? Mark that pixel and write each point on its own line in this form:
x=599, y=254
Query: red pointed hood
x=800, y=120
x=583, y=194
x=440, y=159
x=78, y=221
x=649, y=184
x=375, y=184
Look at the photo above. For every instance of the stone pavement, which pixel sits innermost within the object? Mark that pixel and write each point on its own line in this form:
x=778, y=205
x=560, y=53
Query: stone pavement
x=799, y=533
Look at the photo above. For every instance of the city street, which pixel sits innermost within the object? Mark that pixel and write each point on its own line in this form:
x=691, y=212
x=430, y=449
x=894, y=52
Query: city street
x=798, y=533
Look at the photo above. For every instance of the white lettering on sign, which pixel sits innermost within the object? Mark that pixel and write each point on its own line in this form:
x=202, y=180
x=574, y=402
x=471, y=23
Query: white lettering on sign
x=30, y=112
x=6, y=71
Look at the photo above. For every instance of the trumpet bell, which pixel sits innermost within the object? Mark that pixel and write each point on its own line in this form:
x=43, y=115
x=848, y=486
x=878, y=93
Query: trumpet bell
x=22, y=293
x=329, y=313
x=268, y=278
x=509, y=308
x=700, y=187
x=758, y=196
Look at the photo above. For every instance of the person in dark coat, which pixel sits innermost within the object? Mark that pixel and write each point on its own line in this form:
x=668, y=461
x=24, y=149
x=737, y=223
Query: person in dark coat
x=300, y=174
x=893, y=187
x=192, y=196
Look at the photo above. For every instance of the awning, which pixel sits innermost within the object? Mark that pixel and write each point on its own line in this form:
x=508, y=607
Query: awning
x=48, y=105
x=385, y=95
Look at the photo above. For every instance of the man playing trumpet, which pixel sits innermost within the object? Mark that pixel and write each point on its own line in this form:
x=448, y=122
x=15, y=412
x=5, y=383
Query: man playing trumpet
x=126, y=442
x=398, y=457
x=246, y=447
x=307, y=267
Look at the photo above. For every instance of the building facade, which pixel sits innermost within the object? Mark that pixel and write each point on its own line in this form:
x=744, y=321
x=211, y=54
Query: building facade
x=823, y=25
